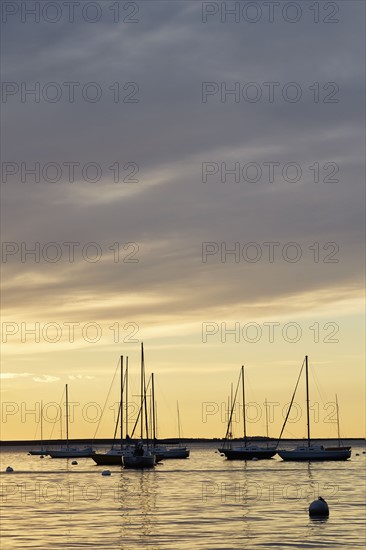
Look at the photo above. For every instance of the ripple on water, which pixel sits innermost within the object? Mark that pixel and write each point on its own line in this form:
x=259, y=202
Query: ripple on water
x=205, y=502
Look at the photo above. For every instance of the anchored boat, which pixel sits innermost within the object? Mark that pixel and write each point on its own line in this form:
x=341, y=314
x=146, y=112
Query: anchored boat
x=163, y=452
x=67, y=451
x=312, y=451
x=41, y=451
x=115, y=454
x=246, y=450
x=142, y=455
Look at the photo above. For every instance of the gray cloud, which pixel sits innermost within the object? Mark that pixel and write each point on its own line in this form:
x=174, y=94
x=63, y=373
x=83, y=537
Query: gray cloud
x=170, y=133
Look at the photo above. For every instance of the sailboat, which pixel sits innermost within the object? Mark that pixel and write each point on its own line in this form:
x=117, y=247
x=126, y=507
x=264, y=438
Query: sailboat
x=163, y=452
x=142, y=456
x=339, y=446
x=311, y=451
x=70, y=452
x=41, y=451
x=245, y=451
x=114, y=455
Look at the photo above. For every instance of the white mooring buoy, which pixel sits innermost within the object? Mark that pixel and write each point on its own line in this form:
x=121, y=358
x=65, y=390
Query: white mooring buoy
x=9, y=469
x=106, y=473
x=319, y=508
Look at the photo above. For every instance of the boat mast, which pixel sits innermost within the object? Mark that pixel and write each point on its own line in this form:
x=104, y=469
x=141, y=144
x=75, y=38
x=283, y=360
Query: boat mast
x=228, y=415
x=146, y=415
x=156, y=421
x=231, y=408
x=126, y=378
x=41, y=422
x=178, y=422
x=307, y=398
x=61, y=418
x=243, y=391
x=121, y=404
x=337, y=411
x=67, y=416
x=142, y=392
x=265, y=406
x=153, y=408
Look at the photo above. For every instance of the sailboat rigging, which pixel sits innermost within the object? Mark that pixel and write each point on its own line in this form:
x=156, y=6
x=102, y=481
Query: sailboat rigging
x=67, y=451
x=339, y=446
x=142, y=456
x=163, y=452
x=311, y=451
x=114, y=455
x=41, y=451
x=245, y=451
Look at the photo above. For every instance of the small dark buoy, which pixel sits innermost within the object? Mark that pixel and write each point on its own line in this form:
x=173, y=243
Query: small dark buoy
x=9, y=469
x=106, y=473
x=74, y=462
x=41, y=456
x=319, y=508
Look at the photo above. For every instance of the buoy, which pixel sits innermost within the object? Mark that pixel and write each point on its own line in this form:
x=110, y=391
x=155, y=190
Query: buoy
x=41, y=456
x=9, y=469
x=74, y=462
x=319, y=508
x=106, y=473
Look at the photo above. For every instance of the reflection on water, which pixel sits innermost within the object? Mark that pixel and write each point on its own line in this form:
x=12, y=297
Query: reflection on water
x=136, y=495
x=319, y=519
x=205, y=502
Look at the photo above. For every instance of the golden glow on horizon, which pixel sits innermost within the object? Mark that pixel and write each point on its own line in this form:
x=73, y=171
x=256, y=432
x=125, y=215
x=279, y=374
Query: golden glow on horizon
x=198, y=376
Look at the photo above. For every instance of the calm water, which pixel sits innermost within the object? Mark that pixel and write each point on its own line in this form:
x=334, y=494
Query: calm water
x=203, y=502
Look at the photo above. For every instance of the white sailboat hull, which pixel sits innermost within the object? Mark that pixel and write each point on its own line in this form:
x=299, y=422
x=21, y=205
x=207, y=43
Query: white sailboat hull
x=315, y=453
x=71, y=453
x=171, y=452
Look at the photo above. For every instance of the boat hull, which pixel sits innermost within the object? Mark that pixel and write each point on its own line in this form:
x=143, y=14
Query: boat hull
x=107, y=460
x=164, y=454
x=71, y=453
x=248, y=454
x=339, y=448
x=38, y=453
x=318, y=455
x=139, y=462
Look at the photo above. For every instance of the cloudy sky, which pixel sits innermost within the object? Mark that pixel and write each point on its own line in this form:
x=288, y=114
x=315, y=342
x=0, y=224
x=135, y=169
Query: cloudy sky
x=158, y=138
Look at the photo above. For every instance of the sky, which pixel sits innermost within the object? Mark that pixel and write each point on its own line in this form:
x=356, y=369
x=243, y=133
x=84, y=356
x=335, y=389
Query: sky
x=191, y=179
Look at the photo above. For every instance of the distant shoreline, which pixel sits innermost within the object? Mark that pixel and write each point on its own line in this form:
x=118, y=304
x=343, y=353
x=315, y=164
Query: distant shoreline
x=169, y=441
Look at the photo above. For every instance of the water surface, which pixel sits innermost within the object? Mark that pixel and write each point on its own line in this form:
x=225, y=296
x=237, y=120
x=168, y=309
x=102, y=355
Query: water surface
x=204, y=502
